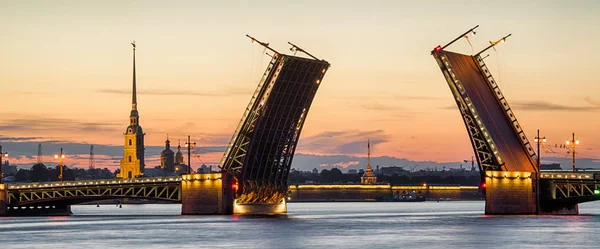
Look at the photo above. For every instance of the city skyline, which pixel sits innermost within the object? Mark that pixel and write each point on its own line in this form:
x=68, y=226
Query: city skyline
x=201, y=87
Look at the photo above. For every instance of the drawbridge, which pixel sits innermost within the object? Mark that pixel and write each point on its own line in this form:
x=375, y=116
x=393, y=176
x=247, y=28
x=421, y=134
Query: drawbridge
x=507, y=161
x=261, y=150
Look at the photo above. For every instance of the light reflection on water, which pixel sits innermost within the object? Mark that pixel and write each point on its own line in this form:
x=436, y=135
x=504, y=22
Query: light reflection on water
x=307, y=225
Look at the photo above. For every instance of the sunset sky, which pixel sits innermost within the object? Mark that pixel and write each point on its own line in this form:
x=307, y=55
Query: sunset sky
x=65, y=71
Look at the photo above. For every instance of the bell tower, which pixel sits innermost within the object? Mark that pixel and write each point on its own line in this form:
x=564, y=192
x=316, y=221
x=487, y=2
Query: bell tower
x=132, y=164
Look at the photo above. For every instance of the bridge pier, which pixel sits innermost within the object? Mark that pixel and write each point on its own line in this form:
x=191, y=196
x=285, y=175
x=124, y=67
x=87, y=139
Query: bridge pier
x=559, y=208
x=44, y=210
x=510, y=192
x=3, y=199
x=211, y=193
x=513, y=192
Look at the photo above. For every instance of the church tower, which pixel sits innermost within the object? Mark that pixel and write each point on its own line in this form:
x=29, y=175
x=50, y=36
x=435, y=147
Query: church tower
x=166, y=157
x=368, y=177
x=179, y=155
x=132, y=165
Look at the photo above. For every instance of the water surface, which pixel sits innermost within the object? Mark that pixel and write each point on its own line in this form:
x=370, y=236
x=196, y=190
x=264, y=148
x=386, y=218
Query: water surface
x=307, y=225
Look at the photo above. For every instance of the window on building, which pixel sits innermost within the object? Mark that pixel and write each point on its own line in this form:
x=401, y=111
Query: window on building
x=129, y=158
x=129, y=141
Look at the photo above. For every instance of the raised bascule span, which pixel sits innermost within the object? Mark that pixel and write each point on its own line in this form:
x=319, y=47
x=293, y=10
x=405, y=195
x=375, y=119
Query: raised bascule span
x=507, y=162
x=261, y=150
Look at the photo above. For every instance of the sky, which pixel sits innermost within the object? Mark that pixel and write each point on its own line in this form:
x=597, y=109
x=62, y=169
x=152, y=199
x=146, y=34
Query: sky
x=65, y=73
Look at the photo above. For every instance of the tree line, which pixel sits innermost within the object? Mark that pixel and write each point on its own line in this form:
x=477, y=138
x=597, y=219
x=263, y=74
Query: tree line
x=335, y=175
x=40, y=173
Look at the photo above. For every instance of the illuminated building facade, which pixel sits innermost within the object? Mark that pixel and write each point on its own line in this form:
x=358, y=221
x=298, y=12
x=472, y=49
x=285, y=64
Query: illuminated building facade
x=368, y=177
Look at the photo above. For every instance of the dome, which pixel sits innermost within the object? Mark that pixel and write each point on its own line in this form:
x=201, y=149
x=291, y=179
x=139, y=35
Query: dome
x=167, y=152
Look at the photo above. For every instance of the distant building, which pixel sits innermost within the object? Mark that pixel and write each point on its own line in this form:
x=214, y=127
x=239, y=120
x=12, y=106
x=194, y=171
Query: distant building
x=8, y=169
x=204, y=169
x=352, y=171
x=391, y=170
x=179, y=155
x=550, y=166
x=167, y=157
x=368, y=177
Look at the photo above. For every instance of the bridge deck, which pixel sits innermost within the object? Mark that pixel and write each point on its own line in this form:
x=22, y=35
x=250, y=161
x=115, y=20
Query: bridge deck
x=491, y=113
x=99, y=182
x=73, y=192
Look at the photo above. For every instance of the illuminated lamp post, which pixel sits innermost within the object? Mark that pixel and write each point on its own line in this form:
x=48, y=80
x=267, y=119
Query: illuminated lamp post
x=60, y=158
x=573, y=144
x=189, y=146
x=539, y=140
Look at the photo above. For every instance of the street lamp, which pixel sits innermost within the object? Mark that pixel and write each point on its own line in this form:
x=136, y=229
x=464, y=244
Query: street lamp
x=539, y=140
x=60, y=158
x=189, y=146
x=2, y=162
x=573, y=144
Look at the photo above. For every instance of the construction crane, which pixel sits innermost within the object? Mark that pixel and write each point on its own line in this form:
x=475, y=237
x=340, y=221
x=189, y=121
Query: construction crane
x=472, y=163
x=92, y=161
x=414, y=167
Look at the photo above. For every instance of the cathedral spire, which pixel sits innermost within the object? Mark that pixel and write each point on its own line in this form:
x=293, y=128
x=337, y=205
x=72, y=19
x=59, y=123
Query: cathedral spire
x=134, y=97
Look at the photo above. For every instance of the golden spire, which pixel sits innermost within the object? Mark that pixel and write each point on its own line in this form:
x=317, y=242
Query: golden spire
x=134, y=97
x=369, y=152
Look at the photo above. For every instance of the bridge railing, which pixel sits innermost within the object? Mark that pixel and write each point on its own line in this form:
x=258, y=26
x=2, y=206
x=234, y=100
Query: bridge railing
x=569, y=175
x=93, y=182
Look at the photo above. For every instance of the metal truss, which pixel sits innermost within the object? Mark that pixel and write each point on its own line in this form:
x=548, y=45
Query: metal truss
x=262, y=148
x=579, y=191
x=73, y=192
x=481, y=141
x=233, y=157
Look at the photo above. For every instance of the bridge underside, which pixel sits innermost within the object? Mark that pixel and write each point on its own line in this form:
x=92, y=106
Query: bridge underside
x=261, y=151
x=57, y=197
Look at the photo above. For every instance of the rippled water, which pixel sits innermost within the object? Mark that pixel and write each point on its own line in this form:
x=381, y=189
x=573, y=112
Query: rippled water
x=307, y=225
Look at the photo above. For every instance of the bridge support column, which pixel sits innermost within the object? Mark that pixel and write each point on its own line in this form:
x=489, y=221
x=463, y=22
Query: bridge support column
x=510, y=192
x=260, y=208
x=559, y=208
x=3, y=199
x=207, y=194
x=45, y=210
x=547, y=206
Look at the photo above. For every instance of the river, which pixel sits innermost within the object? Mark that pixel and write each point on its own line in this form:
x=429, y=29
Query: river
x=452, y=224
